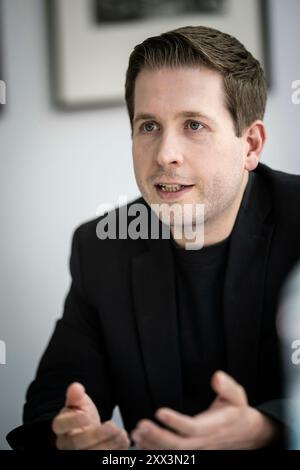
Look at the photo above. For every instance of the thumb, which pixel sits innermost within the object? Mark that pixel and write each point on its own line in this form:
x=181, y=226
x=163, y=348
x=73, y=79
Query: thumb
x=228, y=389
x=76, y=397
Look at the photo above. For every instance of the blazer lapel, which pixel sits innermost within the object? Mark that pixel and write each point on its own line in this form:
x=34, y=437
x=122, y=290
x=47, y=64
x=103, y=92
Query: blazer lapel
x=244, y=285
x=153, y=281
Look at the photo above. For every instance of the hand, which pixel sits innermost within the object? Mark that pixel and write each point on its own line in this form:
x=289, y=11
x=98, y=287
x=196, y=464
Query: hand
x=229, y=423
x=78, y=425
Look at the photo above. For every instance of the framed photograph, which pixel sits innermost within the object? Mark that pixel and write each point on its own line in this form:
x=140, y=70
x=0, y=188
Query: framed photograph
x=91, y=40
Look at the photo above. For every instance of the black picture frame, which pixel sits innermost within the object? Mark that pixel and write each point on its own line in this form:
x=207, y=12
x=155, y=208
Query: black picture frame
x=72, y=66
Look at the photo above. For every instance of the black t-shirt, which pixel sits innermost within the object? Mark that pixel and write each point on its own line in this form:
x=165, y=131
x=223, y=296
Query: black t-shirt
x=199, y=296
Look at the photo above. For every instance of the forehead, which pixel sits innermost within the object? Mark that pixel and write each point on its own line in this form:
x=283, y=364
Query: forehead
x=168, y=90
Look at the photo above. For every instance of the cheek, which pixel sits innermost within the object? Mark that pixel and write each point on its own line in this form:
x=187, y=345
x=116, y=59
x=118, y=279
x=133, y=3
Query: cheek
x=206, y=152
x=142, y=159
x=227, y=157
x=136, y=155
x=141, y=169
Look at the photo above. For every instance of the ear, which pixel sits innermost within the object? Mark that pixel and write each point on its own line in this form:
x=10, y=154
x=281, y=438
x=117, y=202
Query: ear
x=255, y=138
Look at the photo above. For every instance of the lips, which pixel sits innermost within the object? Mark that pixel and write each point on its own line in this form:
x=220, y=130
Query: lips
x=172, y=193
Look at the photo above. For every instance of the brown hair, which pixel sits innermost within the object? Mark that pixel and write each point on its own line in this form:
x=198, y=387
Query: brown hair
x=244, y=81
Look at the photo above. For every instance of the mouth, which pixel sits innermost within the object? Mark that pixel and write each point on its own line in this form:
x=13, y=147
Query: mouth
x=172, y=191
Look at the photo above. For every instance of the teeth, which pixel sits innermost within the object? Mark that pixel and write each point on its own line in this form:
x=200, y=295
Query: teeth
x=171, y=187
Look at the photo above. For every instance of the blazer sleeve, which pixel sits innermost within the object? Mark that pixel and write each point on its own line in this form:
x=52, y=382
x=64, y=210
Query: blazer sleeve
x=276, y=410
x=75, y=353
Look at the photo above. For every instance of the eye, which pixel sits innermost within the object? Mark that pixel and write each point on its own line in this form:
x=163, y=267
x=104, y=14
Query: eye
x=194, y=125
x=148, y=127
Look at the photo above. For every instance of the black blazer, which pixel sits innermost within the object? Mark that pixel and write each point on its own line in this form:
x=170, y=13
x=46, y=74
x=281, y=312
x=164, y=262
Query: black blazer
x=119, y=335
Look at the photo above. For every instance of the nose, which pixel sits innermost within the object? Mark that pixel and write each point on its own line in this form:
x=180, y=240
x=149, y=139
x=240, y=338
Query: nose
x=169, y=150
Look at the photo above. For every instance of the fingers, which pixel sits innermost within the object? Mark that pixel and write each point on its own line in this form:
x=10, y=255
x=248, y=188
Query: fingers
x=228, y=389
x=106, y=436
x=183, y=424
x=79, y=412
x=148, y=436
x=75, y=413
x=68, y=420
x=119, y=442
x=207, y=422
x=195, y=432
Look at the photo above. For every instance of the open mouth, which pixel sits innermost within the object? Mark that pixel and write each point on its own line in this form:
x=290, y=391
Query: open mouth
x=169, y=191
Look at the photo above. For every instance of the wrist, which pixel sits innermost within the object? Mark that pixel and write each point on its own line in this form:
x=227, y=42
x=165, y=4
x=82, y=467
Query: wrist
x=267, y=430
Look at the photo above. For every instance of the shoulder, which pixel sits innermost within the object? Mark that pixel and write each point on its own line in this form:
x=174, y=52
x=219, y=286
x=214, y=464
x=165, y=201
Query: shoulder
x=87, y=235
x=286, y=184
x=102, y=261
x=283, y=189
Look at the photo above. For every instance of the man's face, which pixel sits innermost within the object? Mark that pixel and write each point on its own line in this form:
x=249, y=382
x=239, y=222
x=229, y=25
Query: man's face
x=183, y=133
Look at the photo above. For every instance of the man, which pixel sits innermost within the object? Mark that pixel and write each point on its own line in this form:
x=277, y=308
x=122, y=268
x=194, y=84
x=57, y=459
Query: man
x=183, y=341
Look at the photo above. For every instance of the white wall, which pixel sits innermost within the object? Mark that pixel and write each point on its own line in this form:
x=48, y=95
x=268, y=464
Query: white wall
x=283, y=117
x=56, y=168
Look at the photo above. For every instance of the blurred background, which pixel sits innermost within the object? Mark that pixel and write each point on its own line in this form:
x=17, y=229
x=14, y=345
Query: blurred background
x=66, y=147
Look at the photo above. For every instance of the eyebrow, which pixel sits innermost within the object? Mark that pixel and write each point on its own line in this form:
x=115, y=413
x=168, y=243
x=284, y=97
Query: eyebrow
x=144, y=116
